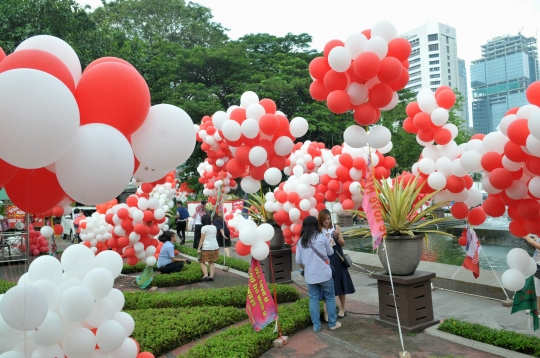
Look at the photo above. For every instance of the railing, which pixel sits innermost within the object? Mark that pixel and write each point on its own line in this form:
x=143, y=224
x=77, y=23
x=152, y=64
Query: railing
x=12, y=246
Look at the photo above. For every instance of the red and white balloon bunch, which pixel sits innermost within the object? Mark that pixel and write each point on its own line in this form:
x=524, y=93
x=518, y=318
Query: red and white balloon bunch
x=254, y=239
x=84, y=132
x=363, y=73
x=68, y=308
x=184, y=193
x=215, y=181
x=428, y=117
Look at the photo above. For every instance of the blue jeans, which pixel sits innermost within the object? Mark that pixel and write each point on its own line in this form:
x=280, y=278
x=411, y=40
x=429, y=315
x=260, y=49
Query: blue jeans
x=329, y=296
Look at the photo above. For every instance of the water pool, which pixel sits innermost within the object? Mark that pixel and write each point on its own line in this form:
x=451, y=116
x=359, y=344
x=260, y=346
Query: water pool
x=446, y=250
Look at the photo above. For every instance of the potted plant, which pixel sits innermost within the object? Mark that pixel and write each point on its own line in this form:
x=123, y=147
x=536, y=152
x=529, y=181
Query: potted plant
x=257, y=213
x=408, y=220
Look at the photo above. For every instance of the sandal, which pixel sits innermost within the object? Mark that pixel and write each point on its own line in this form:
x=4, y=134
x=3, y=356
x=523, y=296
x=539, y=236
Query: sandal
x=338, y=325
x=205, y=278
x=344, y=314
x=211, y=279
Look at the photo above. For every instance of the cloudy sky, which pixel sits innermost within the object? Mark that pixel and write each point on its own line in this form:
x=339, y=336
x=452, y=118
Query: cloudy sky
x=475, y=21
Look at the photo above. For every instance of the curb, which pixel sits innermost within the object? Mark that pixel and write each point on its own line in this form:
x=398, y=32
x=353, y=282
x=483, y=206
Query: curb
x=484, y=347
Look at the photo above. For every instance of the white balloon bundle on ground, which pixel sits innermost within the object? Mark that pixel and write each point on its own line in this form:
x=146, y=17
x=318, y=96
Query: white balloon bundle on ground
x=68, y=308
x=522, y=266
x=256, y=237
x=96, y=230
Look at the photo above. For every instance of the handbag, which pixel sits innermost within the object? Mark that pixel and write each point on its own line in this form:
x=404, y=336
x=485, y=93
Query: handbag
x=537, y=273
x=199, y=256
x=345, y=259
x=326, y=260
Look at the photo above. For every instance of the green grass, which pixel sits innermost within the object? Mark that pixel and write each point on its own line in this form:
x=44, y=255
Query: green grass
x=517, y=342
x=6, y=285
x=189, y=274
x=231, y=262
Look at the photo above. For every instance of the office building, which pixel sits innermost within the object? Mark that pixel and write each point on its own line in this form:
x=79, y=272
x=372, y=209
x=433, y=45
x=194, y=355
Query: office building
x=509, y=64
x=433, y=61
x=464, y=90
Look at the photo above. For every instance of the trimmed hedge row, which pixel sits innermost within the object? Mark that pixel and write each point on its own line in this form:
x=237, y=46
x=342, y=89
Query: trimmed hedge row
x=517, y=342
x=162, y=330
x=231, y=262
x=189, y=274
x=234, y=296
x=6, y=285
x=245, y=342
x=128, y=269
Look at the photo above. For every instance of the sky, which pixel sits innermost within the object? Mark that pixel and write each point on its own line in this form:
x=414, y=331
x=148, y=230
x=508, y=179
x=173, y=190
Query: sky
x=475, y=21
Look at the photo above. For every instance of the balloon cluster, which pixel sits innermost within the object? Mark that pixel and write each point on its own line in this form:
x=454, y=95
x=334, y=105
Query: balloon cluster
x=68, y=308
x=215, y=181
x=39, y=242
x=184, y=193
x=521, y=266
x=363, y=73
x=233, y=220
x=85, y=132
x=254, y=239
x=428, y=116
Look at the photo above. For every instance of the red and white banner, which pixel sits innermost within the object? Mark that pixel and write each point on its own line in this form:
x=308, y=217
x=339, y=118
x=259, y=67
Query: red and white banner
x=372, y=208
x=471, y=261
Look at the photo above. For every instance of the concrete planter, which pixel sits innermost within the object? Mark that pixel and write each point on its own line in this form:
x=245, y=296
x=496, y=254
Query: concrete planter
x=278, y=240
x=404, y=254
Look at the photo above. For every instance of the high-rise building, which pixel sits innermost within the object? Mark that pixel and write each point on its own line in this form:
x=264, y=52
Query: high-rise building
x=509, y=64
x=463, y=88
x=433, y=61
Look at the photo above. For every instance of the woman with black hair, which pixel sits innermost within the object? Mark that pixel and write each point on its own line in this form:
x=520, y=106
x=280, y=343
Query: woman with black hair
x=208, y=247
x=312, y=252
x=167, y=263
x=223, y=234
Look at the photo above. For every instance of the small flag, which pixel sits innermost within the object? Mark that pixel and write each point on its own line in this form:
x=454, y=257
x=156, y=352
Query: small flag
x=525, y=299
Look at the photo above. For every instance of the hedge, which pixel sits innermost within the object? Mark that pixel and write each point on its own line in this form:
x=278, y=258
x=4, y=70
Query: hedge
x=6, y=285
x=128, y=269
x=162, y=330
x=189, y=274
x=245, y=342
x=231, y=262
x=234, y=296
x=517, y=342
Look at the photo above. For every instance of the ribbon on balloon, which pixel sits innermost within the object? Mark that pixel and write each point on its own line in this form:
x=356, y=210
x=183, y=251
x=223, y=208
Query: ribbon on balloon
x=372, y=208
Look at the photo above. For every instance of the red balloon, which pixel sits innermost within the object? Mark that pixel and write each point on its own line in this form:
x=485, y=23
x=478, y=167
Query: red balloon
x=7, y=172
x=366, y=114
x=42, y=61
x=389, y=162
x=2, y=54
x=346, y=160
x=401, y=81
x=533, y=165
x=380, y=95
x=333, y=185
x=318, y=68
x=318, y=91
x=518, y=131
x=342, y=172
x=446, y=98
x=462, y=241
x=422, y=120
x=338, y=102
x=147, y=187
x=443, y=136
x=409, y=127
x=58, y=211
x=512, y=110
x=293, y=197
x=334, y=81
x=477, y=216
x=107, y=59
x=277, y=162
x=35, y=191
x=145, y=355
x=459, y=210
x=442, y=88
x=399, y=48
x=390, y=69
x=517, y=228
x=122, y=213
x=529, y=208
x=491, y=161
x=257, y=173
x=533, y=93
x=113, y=94
x=348, y=204
x=494, y=207
x=238, y=114
x=268, y=123
x=455, y=184
x=501, y=178
x=359, y=163
x=412, y=109
x=367, y=65
x=269, y=105
x=331, y=195
x=478, y=136
x=468, y=182
x=241, y=249
x=242, y=154
x=381, y=173
x=514, y=152
x=532, y=226
x=426, y=135
x=235, y=168
x=330, y=45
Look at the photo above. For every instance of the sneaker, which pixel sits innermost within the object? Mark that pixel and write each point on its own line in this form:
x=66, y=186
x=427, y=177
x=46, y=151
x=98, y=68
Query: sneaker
x=338, y=325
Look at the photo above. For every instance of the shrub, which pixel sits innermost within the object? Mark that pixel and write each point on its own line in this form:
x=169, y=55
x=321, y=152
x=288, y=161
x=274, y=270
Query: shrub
x=161, y=330
x=245, y=342
x=517, y=342
x=228, y=296
x=128, y=269
x=189, y=274
x=232, y=262
x=6, y=285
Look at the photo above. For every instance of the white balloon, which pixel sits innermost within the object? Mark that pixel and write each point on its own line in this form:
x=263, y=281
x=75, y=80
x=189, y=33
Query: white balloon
x=298, y=127
x=249, y=185
x=248, y=235
x=48, y=126
x=486, y=185
x=339, y=59
x=45, y=268
x=49, y=332
x=219, y=118
x=358, y=93
x=518, y=259
x=379, y=137
x=355, y=136
x=248, y=98
x=524, y=112
x=377, y=45
x=47, y=352
x=79, y=342
x=475, y=197
x=255, y=111
x=128, y=349
x=110, y=335
x=510, y=165
x=431, y=152
x=452, y=128
x=250, y=128
x=386, y=149
x=513, y=280
x=265, y=232
x=76, y=304
x=494, y=142
x=426, y=165
x=24, y=307
x=50, y=290
x=103, y=311
x=294, y=214
x=437, y=181
x=77, y=260
x=534, y=186
x=533, y=145
x=393, y=102
x=470, y=161
x=57, y=47
x=231, y=130
x=109, y=260
x=518, y=190
x=384, y=29
x=272, y=176
x=427, y=103
x=148, y=175
x=531, y=270
x=117, y=298
x=457, y=169
x=98, y=175
x=355, y=43
x=258, y=156
x=534, y=124
x=505, y=122
x=283, y=146
x=46, y=231
x=260, y=250
x=439, y=116
x=126, y=321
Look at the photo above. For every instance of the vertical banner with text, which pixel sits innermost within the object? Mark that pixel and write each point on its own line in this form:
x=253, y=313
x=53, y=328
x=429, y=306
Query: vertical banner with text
x=260, y=306
x=372, y=208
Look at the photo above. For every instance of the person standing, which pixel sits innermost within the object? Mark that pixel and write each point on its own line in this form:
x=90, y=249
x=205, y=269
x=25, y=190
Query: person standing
x=167, y=262
x=343, y=284
x=223, y=232
x=197, y=224
x=208, y=247
x=535, y=242
x=182, y=216
x=312, y=252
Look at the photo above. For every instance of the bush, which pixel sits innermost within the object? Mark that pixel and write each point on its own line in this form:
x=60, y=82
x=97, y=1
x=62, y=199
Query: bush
x=6, y=285
x=229, y=296
x=161, y=330
x=128, y=269
x=231, y=262
x=189, y=274
x=517, y=342
x=245, y=342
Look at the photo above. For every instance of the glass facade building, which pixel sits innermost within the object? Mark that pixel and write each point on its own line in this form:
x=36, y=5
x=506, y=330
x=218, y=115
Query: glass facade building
x=509, y=64
x=463, y=88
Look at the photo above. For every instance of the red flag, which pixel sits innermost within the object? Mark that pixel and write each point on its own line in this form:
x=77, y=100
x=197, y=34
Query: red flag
x=471, y=261
x=260, y=306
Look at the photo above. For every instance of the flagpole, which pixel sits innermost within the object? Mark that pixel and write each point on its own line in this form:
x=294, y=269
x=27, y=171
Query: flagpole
x=506, y=294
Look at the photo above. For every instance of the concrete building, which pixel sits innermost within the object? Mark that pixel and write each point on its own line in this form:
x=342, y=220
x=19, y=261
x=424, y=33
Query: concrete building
x=464, y=90
x=509, y=64
x=433, y=61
